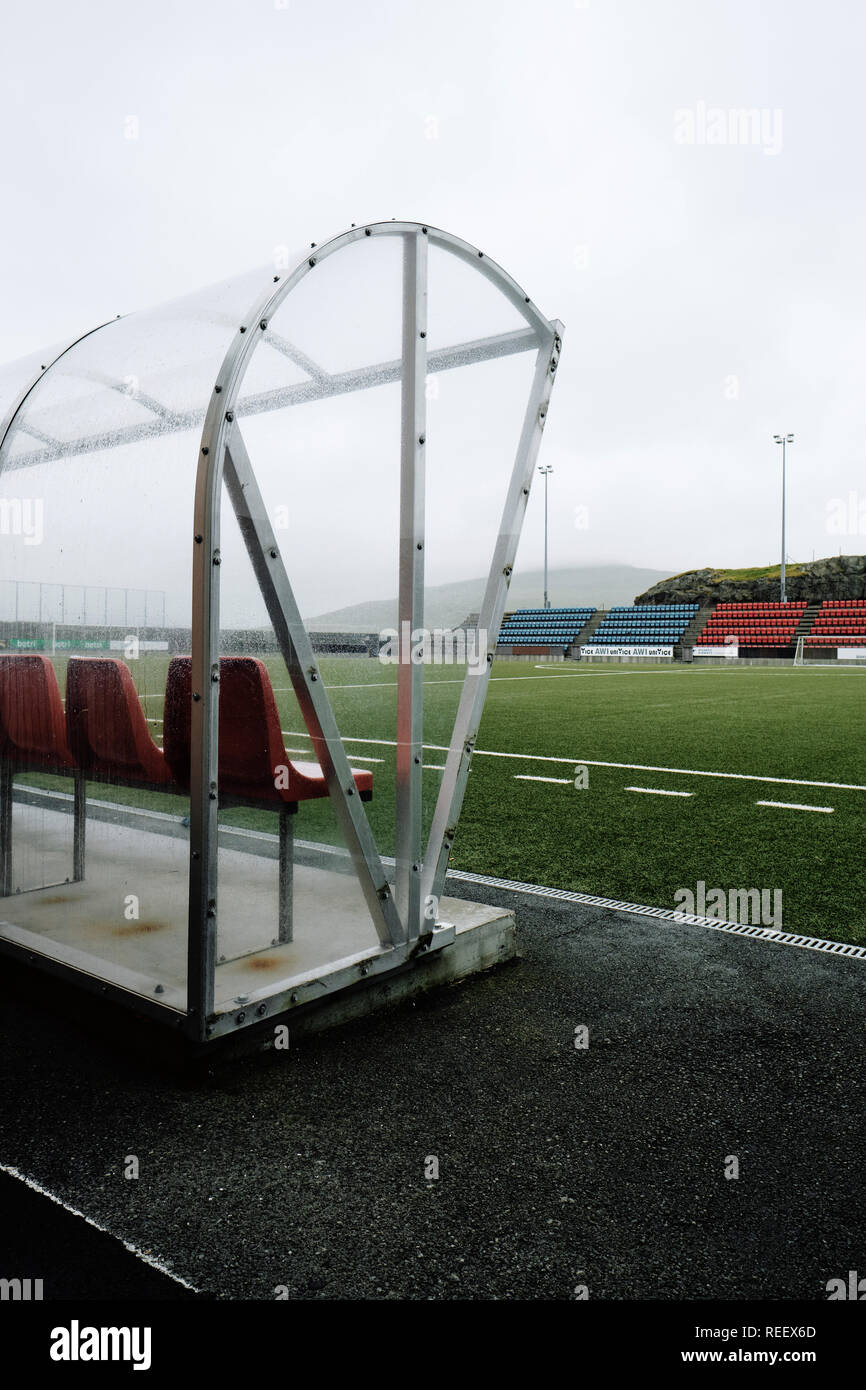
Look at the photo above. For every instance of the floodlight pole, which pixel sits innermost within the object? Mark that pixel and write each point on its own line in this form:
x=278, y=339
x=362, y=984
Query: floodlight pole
x=784, y=440
x=545, y=470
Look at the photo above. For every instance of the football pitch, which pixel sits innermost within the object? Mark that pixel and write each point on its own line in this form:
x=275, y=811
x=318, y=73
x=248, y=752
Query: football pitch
x=629, y=782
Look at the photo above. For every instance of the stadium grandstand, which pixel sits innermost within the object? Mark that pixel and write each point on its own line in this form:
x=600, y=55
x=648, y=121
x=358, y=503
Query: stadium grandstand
x=754, y=625
x=759, y=630
x=543, y=627
x=838, y=623
x=644, y=625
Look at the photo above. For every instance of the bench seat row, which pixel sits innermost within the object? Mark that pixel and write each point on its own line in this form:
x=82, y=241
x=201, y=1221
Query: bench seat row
x=103, y=736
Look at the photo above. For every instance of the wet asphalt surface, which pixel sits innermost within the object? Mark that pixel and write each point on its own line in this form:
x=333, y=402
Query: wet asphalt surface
x=306, y=1170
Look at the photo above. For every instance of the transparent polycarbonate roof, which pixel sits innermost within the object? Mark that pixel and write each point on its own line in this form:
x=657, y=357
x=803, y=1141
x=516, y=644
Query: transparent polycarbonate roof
x=153, y=372
x=330, y=444
x=135, y=377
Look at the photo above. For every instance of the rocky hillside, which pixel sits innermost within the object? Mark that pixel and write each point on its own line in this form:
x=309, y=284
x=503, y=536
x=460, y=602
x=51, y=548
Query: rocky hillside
x=841, y=576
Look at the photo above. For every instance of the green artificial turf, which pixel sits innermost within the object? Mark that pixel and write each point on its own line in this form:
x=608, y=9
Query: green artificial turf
x=800, y=723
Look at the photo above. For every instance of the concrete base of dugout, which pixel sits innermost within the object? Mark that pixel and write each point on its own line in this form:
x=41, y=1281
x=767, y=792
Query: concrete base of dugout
x=143, y=856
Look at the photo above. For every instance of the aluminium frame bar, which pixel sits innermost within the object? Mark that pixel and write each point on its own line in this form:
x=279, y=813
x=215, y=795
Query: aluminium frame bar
x=410, y=597
x=453, y=786
x=445, y=359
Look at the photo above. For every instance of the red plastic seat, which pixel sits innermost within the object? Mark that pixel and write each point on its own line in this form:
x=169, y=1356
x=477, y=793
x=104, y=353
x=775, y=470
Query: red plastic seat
x=251, y=748
x=32, y=725
x=251, y=754
x=106, y=727
x=33, y=739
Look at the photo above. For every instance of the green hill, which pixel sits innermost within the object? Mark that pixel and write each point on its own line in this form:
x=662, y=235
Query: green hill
x=839, y=577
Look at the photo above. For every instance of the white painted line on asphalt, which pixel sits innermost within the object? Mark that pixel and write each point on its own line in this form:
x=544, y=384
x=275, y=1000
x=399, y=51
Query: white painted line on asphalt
x=796, y=806
x=657, y=791
x=127, y=1245
x=526, y=777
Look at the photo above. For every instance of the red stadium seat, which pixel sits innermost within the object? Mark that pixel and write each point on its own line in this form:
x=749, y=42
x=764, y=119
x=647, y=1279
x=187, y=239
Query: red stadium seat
x=251, y=747
x=32, y=726
x=107, y=730
x=33, y=739
x=254, y=767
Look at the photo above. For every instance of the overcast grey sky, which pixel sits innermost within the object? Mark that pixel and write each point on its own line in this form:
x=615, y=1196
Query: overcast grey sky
x=712, y=293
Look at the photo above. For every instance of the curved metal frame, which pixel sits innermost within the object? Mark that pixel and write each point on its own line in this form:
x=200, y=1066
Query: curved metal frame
x=401, y=920
x=222, y=456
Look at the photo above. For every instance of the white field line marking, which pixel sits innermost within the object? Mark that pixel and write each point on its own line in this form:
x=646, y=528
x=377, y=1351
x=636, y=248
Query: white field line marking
x=433, y=767
x=729, y=670
x=527, y=777
x=648, y=671
x=598, y=762
x=677, y=771
x=127, y=1245
x=566, y=675
x=458, y=680
x=657, y=791
x=795, y=806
